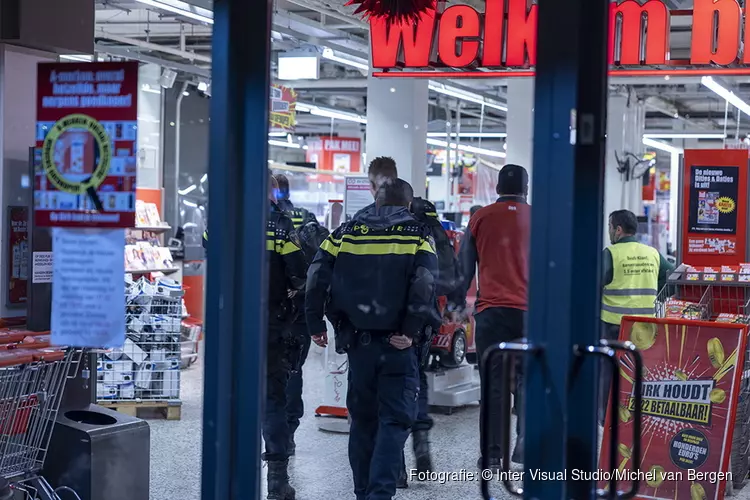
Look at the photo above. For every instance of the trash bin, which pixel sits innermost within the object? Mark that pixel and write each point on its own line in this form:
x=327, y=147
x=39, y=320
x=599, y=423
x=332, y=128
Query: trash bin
x=99, y=453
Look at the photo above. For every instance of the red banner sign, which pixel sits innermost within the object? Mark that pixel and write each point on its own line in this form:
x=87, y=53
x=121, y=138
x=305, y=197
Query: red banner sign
x=18, y=254
x=714, y=207
x=339, y=154
x=86, y=128
x=504, y=37
x=691, y=380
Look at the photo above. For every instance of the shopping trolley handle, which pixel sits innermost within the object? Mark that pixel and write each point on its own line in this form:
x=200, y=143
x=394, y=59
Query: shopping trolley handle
x=608, y=349
x=507, y=350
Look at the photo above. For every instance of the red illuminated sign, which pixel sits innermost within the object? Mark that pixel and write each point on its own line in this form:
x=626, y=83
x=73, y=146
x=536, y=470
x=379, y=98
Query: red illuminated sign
x=503, y=39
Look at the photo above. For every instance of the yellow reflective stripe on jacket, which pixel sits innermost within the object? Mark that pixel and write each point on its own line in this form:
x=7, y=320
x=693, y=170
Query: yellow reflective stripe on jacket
x=431, y=214
x=331, y=245
x=635, y=277
x=205, y=235
x=286, y=247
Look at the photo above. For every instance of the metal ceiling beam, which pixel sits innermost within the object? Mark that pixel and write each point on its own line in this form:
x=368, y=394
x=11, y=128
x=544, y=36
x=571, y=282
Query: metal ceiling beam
x=155, y=47
x=136, y=55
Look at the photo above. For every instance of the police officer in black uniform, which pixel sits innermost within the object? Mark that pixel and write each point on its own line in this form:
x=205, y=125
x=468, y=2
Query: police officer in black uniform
x=286, y=278
x=299, y=338
x=374, y=279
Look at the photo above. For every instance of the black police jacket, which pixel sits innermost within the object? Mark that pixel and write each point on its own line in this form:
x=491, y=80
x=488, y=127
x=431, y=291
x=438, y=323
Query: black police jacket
x=286, y=263
x=376, y=271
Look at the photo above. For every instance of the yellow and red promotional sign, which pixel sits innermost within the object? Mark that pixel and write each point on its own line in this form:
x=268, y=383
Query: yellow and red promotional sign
x=691, y=381
x=282, y=111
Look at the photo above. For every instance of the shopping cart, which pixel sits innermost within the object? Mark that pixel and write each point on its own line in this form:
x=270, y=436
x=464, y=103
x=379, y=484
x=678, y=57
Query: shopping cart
x=31, y=387
x=707, y=301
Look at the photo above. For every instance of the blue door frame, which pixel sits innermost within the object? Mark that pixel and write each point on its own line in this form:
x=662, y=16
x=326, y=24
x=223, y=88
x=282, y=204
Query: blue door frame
x=567, y=220
x=236, y=312
x=571, y=87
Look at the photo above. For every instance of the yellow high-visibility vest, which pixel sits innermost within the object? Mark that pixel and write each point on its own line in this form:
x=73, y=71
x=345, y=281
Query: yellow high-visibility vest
x=635, y=278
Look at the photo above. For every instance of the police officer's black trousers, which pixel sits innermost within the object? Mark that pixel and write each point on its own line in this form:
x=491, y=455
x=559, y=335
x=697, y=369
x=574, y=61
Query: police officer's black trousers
x=295, y=408
x=495, y=325
x=608, y=332
x=275, y=425
x=382, y=403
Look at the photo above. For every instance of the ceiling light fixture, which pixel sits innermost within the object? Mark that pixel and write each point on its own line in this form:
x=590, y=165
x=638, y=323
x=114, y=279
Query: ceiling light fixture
x=284, y=144
x=330, y=113
x=176, y=7
x=728, y=95
x=471, y=135
x=466, y=148
x=76, y=57
x=204, y=178
x=661, y=146
x=684, y=136
x=465, y=96
x=331, y=56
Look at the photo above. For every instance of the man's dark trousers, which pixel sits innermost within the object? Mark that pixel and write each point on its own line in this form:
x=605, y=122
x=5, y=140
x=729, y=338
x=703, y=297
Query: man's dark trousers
x=382, y=403
x=295, y=408
x=495, y=325
x=275, y=426
x=609, y=331
x=423, y=422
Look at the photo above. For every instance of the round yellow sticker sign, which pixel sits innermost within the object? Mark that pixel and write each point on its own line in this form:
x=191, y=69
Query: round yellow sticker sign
x=725, y=205
x=63, y=166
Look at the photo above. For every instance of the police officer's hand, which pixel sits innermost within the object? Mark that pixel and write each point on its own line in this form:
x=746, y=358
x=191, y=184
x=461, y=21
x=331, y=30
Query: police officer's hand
x=401, y=341
x=321, y=340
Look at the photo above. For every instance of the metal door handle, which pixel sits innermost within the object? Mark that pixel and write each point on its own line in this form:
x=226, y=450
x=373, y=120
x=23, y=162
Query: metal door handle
x=629, y=348
x=508, y=350
x=608, y=349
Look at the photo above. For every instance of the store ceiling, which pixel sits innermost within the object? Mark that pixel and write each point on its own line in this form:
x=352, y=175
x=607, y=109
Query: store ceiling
x=131, y=28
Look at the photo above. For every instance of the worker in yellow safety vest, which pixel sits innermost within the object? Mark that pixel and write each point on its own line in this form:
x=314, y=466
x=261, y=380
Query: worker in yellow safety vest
x=633, y=274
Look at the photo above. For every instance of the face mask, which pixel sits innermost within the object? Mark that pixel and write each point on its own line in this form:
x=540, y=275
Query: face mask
x=277, y=194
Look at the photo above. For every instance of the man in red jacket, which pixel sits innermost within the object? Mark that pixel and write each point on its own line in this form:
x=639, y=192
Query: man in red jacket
x=497, y=240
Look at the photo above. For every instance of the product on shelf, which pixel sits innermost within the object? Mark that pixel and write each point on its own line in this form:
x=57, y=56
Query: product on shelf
x=147, y=215
x=147, y=366
x=683, y=309
x=733, y=318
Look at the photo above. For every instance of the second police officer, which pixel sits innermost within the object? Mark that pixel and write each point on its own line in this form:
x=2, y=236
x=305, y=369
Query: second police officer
x=374, y=279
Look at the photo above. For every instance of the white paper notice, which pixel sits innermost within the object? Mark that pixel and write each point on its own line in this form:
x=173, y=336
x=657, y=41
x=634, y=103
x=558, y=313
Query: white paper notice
x=357, y=195
x=88, y=292
x=41, y=267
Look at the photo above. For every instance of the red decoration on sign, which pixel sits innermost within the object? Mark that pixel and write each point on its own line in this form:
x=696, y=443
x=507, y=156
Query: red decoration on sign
x=691, y=383
x=393, y=10
x=503, y=37
x=18, y=254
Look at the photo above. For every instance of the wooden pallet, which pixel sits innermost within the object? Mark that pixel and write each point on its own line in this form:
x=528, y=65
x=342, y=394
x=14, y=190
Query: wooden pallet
x=170, y=410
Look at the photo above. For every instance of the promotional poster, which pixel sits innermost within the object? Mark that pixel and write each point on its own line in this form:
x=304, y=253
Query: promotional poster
x=86, y=129
x=690, y=390
x=282, y=111
x=18, y=252
x=714, y=207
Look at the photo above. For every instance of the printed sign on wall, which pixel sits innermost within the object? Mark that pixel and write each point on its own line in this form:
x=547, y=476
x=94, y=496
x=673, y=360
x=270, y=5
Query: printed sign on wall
x=714, y=207
x=86, y=128
x=282, y=112
x=18, y=255
x=691, y=380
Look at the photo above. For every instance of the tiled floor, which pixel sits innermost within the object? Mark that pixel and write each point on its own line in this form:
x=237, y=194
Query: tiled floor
x=320, y=470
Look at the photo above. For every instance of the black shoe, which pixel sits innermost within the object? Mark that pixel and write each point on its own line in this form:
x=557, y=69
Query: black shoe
x=421, y=443
x=495, y=464
x=292, y=446
x=402, y=483
x=278, y=481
